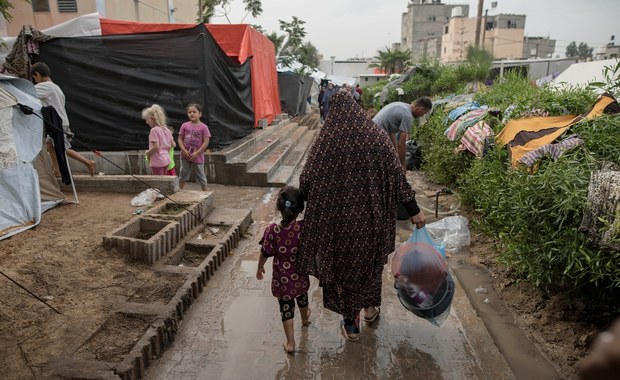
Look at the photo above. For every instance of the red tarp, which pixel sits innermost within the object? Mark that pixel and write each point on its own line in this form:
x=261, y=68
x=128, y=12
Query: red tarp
x=239, y=42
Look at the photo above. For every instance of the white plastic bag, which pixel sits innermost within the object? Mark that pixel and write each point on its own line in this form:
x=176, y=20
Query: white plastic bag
x=145, y=198
x=451, y=231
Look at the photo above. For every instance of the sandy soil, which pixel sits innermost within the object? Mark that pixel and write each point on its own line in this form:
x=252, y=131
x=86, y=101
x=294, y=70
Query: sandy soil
x=62, y=261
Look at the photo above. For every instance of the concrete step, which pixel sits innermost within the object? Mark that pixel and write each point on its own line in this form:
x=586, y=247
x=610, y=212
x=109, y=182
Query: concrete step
x=288, y=172
x=272, y=162
x=238, y=147
x=252, y=155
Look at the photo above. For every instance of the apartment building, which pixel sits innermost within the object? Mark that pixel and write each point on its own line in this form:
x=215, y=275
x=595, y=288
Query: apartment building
x=538, y=47
x=502, y=35
x=423, y=24
x=42, y=14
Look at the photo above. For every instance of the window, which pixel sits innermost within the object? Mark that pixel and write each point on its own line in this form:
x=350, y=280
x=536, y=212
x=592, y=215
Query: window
x=445, y=30
x=67, y=6
x=40, y=6
x=512, y=24
x=489, y=25
x=431, y=18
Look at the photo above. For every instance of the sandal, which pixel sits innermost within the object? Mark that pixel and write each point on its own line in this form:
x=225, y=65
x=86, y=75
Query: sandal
x=372, y=318
x=350, y=331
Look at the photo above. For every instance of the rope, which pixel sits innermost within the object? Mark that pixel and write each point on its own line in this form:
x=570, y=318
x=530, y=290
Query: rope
x=29, y=111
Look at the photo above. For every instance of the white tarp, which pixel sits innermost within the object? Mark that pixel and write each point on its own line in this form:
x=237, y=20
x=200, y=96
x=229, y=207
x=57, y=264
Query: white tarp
x=86, y=25
x=339, y=80
x=21, y=140
x=582, y=73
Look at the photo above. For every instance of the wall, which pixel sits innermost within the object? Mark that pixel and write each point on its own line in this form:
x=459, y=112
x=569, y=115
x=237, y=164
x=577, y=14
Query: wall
x=538, y=47
x=129, y=10
x=461, y=33
x=346, y=68
x=423, y=22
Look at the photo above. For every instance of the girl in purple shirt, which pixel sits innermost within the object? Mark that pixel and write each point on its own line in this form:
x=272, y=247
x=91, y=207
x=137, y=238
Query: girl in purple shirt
x=280, y=241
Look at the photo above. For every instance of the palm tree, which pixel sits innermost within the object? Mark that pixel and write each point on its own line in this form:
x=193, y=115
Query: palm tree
x=392, y=61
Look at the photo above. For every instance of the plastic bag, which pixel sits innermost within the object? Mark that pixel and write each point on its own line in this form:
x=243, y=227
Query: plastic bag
x=145, y=198
x=421, y=278
x=451, y=231
x=421, y=235
x=413, y=155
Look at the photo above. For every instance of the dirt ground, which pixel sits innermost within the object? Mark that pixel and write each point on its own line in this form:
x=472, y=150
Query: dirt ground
x=62, y=261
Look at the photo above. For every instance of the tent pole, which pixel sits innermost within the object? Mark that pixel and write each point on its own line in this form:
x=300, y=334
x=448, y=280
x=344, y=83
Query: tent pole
x=77, y=201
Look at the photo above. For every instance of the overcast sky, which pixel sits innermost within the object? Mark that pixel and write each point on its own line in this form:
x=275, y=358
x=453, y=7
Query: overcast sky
x=358, y=28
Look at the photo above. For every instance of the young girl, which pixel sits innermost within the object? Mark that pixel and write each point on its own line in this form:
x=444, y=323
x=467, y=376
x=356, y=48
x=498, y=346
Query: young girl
x=193, y=140
x=160, y=139
x=280, y=241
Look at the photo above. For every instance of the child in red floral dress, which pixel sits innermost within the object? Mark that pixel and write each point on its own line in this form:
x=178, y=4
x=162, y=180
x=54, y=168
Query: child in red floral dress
x=280, y=241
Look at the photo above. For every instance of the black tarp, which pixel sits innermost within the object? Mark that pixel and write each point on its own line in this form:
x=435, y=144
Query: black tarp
x=294, y=91
x=108, y=80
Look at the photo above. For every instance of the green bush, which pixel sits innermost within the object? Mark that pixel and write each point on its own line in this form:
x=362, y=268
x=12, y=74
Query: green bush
x=368, y=95
x=440, y=159
x=534, y=216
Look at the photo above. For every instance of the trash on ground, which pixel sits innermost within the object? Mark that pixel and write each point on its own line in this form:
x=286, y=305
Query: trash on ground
x=146, y=197
x=481, y=290
x=452, y=231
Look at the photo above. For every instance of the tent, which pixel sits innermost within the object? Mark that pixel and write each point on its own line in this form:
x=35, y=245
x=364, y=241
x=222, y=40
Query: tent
x=109, y=79
x=582, y=73
x=240, y=42
x=27, y=183
x=294, y=92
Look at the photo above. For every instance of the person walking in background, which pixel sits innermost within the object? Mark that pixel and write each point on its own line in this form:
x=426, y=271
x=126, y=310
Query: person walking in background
x=351, y=182
x=329, y=92
x=193, y=140
x=160, y=139
x=280, y=241
x=396, y=119
x=50, y=94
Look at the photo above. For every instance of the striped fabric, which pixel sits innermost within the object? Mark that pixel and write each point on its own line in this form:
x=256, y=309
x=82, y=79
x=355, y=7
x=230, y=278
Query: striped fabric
x=463, y=122
x=474, y=138
x=555, y=151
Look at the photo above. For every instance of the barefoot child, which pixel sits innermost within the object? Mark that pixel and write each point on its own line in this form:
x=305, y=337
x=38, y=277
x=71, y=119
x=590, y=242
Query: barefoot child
x=193, y=141
x=280, y=241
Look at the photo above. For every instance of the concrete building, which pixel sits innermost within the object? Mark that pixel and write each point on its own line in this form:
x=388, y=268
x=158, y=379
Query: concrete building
x=609, y=51
x=538, y=47
x=422, y=26
x=43, y=14
x=365, y=80
x=503, y=35
x=458, y=34
x=347, y=68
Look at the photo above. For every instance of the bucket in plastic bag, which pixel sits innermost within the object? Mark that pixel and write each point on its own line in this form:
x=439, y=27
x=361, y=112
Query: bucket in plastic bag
x=423, y=282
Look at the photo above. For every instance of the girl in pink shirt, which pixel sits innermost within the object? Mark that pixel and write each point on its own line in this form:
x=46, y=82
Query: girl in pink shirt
x=193, y=140
x=160, y=139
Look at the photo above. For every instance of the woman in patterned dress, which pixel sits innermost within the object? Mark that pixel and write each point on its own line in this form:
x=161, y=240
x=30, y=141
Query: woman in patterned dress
x=280, y=241
x=352, y=182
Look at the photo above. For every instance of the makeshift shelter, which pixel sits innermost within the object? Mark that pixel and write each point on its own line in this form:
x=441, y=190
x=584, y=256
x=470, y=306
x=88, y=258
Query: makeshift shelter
x=241, y=43
x=582, y=73
x=527, y=134
x=27, y=183
x=294, y=92
x=108, y=80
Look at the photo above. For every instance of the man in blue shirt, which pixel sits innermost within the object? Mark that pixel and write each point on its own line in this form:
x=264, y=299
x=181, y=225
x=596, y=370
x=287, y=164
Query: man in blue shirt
x=396, y=119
